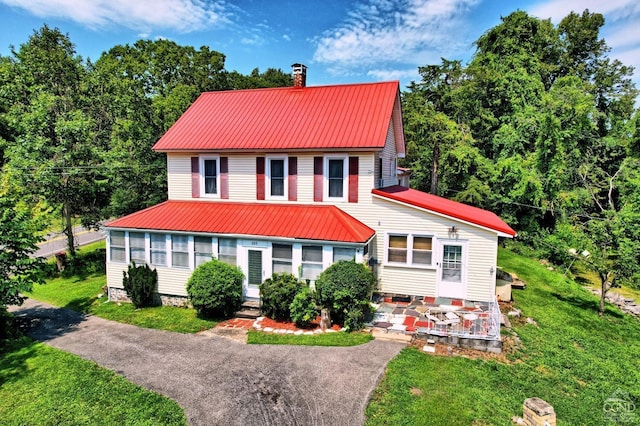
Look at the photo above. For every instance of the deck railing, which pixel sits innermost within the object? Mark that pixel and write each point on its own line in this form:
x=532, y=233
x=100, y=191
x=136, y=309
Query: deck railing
x=482, y=322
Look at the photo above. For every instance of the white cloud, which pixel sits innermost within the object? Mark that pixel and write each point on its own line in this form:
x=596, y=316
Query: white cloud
x=286, y=37
x=141, y=15
x=558, y=9
x=386, y=74
x=394, y=34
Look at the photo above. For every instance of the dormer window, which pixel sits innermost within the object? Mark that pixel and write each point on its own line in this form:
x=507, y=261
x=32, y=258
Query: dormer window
x=210, y=167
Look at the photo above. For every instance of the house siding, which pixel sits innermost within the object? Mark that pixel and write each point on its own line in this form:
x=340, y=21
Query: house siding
x=387, y=216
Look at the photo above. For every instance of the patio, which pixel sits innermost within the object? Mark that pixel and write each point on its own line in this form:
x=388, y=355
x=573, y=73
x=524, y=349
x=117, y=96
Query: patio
x=442, y=319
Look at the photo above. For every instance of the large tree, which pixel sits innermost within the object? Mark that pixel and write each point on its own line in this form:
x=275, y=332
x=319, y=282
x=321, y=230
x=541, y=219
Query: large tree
x=53, y=150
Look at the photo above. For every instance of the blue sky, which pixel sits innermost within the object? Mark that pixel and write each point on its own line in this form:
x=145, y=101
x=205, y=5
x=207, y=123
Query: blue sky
x=340, y=41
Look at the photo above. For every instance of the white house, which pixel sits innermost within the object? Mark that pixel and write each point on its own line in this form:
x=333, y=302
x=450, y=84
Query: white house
x=296, y=178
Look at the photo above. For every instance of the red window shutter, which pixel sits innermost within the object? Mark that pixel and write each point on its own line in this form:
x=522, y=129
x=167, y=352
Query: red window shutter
x=317, y=178
x=260, y=178
x=195, y=177
x=224, y=177
x=353, y=179
x=293, y=178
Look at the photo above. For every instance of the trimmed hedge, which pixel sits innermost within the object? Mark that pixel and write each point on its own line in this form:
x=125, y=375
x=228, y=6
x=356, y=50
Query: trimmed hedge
x=345, y=289
x=277, y=293
x=215, y=289
x=140, y=282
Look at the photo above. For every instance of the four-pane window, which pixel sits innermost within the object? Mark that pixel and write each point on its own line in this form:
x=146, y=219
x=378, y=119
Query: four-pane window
x=410, y=249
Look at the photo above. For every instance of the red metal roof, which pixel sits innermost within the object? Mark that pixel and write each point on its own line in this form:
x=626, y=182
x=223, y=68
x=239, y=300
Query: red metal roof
x=351, y=116
x=309, y=222
x=447, y=207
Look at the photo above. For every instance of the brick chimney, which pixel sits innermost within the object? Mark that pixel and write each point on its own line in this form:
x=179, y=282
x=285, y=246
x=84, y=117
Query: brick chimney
x=299, y=75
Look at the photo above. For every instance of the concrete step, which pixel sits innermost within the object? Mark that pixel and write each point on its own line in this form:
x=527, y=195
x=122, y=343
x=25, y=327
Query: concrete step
x=398, y=337
x=251, y=303
x=247, y=313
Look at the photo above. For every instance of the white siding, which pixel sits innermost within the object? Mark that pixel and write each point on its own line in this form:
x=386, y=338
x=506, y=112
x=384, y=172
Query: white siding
x=170, y=281
x=242, y=177
x=179, y=176
x=388, y=156
x=387, y=216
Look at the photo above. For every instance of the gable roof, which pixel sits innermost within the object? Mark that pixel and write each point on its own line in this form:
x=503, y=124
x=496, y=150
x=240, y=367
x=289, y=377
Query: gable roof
x=308, y=222
x=433, y=203
x=339, y=117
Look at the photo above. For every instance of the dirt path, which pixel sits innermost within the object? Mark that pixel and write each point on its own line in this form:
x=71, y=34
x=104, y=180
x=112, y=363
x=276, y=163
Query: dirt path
x=220, y=381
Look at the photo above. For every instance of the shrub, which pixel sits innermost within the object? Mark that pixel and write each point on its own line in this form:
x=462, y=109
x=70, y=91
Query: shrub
x=139, y=282
x=304, y=308
x=215, y=289
x=343, y=287
x=277, y=293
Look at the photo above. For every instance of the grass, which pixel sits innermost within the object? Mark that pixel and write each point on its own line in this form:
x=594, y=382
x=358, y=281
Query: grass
x=81, y=293
x=326, y=339
x=45, y=386
x=572, y=359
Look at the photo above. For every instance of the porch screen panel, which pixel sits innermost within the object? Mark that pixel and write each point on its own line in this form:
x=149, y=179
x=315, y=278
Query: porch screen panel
x=254, y=275
x=137, y=247
x=282, y=258
x=117, y=246
x=158, y=249
x=311, y=262
x=227, y=251
x=180, y=251
x=203, y=251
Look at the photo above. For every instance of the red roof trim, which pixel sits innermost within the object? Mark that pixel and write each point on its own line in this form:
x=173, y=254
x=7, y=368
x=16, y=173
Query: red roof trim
x=307, y=222
x=454, y=209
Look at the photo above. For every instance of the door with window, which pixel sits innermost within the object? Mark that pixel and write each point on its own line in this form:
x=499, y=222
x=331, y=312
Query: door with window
x=255, y=272
x=452, y=269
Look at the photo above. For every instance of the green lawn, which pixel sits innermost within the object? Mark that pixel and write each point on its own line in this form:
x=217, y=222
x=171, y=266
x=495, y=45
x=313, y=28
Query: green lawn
x=81, y=294
x=573, y=359
x=326, y=339
x=40, y=385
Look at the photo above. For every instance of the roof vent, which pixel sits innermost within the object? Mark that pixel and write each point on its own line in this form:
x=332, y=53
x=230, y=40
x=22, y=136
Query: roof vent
x=299, y=75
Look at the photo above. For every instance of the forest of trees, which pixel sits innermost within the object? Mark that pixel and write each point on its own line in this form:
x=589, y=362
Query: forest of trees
x=540, y=127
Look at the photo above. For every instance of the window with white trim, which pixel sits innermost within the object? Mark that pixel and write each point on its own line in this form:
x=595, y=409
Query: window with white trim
x=277, y=177
x=158, y=249
x=117, y=246
x=336, y=175
x=343, y=253
x=203, y=250
x=311, y=262
x=210, y=170
x=180, y=251
x=227, y=250
x=410, y=249
x=282, y=257
x=137, y=246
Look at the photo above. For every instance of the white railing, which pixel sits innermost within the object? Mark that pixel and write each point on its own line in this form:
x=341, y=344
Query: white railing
x=482, y=322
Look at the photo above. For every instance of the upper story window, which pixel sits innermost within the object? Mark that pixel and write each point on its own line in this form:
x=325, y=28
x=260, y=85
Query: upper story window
x=210, y=171
x=336, y=170
x=277, y=176
x=410, y=249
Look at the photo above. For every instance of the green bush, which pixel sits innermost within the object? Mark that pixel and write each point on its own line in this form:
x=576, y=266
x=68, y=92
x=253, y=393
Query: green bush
x=304, y=307
x=215, y=289
x=277, y=293
x=343, y=287
x=140, y=282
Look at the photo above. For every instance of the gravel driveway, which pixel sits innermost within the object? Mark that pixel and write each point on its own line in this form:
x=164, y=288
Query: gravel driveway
x=219, y=381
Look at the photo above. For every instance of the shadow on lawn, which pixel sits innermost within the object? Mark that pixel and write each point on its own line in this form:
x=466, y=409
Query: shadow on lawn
x=13, y=359
x=590, y=304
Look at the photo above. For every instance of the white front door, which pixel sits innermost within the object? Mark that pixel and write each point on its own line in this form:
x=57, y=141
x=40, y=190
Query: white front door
x=255, y=272
x=452, y=269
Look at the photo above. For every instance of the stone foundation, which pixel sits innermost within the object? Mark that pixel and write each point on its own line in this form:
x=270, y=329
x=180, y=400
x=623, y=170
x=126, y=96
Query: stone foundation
x=484, y=345
x=119, y=295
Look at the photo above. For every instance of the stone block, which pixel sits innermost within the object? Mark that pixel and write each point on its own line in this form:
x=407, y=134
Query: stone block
x=537, y=412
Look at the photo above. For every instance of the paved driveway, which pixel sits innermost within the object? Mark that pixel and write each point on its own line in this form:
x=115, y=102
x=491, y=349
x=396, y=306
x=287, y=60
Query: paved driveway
x=218, y=381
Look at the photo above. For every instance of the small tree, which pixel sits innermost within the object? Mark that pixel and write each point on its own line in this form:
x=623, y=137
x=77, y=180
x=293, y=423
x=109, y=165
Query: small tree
x=346, y=287
x=18, y=270
x=277, y=293
x=140, y=282
x=215, y=288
